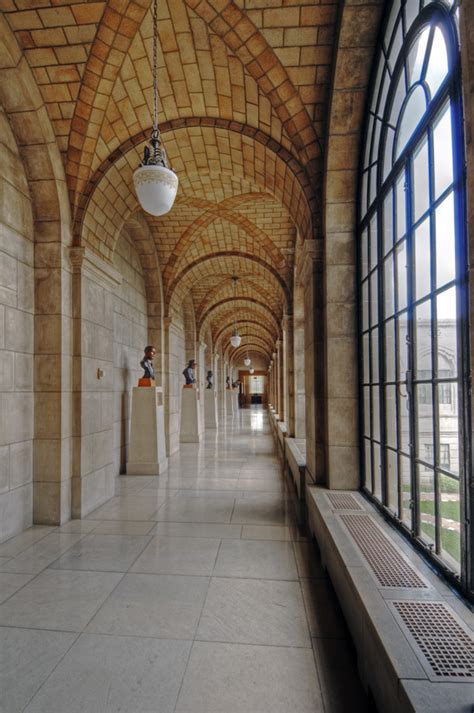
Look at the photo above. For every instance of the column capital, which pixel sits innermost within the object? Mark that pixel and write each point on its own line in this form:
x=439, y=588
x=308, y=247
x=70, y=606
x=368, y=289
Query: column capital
x=311, y=259
x=85, y=260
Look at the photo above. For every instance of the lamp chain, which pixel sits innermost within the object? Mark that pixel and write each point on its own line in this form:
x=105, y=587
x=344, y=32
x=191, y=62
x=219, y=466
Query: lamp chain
x=155, y=68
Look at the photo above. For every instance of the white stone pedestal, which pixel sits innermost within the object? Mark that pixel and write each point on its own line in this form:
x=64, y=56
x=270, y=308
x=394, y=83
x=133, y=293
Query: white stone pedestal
x=210, y=408
x=147, y=451
x=191, y=422
x=235, y=394
x=229, y=402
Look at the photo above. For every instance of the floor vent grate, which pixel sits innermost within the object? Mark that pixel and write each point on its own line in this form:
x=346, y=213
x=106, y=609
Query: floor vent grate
x=446, y=646
x=389, y=567
x=343, y=501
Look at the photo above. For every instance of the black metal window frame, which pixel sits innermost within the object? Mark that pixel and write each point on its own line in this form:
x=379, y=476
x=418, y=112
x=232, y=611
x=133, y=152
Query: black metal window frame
x=374, y=386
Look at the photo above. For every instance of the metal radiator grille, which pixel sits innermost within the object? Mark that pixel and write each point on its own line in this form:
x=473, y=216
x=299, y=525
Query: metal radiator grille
x=447, y=647
x=343, y=501
x=389, y=567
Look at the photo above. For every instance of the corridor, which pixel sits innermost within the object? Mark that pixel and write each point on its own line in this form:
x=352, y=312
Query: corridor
x=190, y=592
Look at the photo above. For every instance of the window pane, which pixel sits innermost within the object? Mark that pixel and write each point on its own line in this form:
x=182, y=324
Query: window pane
x=401, y=276
x=412, y=113
x=427, y=504
x=375, y=413
x=422, y=260
x=424, y=420
x=423, y=340
x=374, y=299
x=364, y=253
x=373, y=242
x=377, y=472
x=388, y=156
x=389, y=287
x=421, y=191
x=365, y=357
x=417, y=55
x=391, y=419
x=443, y=152
x=365, y=305
x=404, y=418
x=405, y=475
x=445, y=242
x=363, y=194
x=392, y=481
x=438, y=63
x=367, y=411
x=400, y=210
x=450, y=521
x=447, y=332
x=368, y=465
x=398, y=98
x=449, y=426
x=387, y=223
x=390, y=350
x=368, y=140
x=374, y=338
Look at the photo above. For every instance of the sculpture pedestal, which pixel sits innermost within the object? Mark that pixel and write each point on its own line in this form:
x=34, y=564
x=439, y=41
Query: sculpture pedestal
x=235, y=394
x=210, y=408
x=147, y=450
x=191, y=422
x=229, y=402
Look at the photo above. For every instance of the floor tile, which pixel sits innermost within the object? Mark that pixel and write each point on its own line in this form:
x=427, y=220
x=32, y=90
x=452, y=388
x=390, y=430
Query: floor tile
x=19, y=543
x=124, y=527
x=249, y=611
x=217, y=510
x=103, y=553
x=115, y=674
x=191, y=529
x=256, y=559
x=266, y=532
x=129, y=507
x=178, y=555
x=61, y=601
x=11, y=583
x=26, y=660
x=233, y=678
x=42, y=553
x=163, y=606
x=249, y=511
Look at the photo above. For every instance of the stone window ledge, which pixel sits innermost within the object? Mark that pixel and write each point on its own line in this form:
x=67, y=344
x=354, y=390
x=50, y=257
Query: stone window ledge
x=391, y=663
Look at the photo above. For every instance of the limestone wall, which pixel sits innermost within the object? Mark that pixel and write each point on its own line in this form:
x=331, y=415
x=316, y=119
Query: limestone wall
x=16, y=339
x=129, y=339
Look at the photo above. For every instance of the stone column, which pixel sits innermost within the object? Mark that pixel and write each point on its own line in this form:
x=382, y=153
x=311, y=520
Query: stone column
x=173, y=343
x=288, y=360
x=201, y=374
x=280, y=369
x=270, y=384
x=275, y=381
x=298, y=364
x=94, y=282
x=314, y=356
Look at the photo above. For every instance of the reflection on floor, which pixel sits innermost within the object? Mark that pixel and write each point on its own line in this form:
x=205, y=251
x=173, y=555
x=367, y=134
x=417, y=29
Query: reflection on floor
x=190, y=592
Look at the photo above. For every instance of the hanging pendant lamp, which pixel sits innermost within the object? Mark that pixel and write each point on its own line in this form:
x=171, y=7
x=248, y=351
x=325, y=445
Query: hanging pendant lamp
x=251, y=371
x=235, y=339
x=247, y=360
x=156, y=184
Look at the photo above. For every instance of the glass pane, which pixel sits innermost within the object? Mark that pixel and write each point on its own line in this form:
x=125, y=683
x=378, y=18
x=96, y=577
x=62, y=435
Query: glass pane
x=423, y=341
x=363, y=194
x=374, y=299
x=390, y=350
x=388, y=158
x=401, y=276
x=404, y=418
x=392, y=481
x=375, y=146
x=377, y=472
x=427, y=504
x=383, y=93
x=417, y=54
x=450, y=520
x=422, y=260
x=376, y=85
x=398, y=99
x=443, y=152
x=389, y=287
x=375, y=413
x=374, y=338
x=421, y=190
x=438, y=63
x=391, y=416
x=449, y=423
x=387, y=222
x=373, y=241
x=365, y=305
x=412, y=113
x=402, y=346
x=445, y=242
x=405, y=475
x=367, y=411
x=424, y=422
x=396, y=46
x=373, y=184
x=368, y=141
x=400, y=210
x=447, y=333
x=364, y=253
x=365, y=357
x=391, y=22
x=368, y=466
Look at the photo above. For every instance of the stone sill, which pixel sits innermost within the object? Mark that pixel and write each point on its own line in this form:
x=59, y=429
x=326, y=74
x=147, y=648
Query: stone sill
x=295, y=470
x=390, y=664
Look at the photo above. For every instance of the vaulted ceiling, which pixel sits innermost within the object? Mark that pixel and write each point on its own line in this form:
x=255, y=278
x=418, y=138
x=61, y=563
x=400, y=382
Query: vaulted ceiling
x=244, y=89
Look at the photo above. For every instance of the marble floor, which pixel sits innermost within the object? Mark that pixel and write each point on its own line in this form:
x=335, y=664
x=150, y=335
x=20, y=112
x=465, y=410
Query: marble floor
x=191, y=592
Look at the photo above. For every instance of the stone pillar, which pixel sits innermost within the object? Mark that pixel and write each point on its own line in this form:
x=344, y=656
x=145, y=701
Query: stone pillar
x=280, y=369
x=191, y=428
x=275, y=381
x=221, y=367
x=312, y=282
x=288, y=360
x=201, y=374
x=147, y=433
x=94, y=282
x=173, y=343
x=298, y=364
x=210, y=409
x=270, y=385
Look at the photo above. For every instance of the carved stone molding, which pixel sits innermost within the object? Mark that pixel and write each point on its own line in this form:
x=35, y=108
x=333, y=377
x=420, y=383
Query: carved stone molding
x=85, y=260
x=311, y=260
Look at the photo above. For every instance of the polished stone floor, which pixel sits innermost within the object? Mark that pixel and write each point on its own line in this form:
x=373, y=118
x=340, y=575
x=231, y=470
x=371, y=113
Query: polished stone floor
x=190, y=592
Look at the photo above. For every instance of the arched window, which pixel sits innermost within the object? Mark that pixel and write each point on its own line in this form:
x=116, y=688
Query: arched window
x=413, y=277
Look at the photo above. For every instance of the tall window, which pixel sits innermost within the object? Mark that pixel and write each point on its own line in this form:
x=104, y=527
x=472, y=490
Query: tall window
x=413, y=281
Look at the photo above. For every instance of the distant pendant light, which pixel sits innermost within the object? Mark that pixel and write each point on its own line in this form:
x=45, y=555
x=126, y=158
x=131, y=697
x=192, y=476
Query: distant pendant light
x=251, y=371
x=235, y=339
x=247, y=360
x=156, y=184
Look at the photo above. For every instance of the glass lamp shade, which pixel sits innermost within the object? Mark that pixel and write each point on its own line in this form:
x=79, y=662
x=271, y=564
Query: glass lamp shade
x=251, y=371
x=156, y=188
x=247, y=361
x=235, y=340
